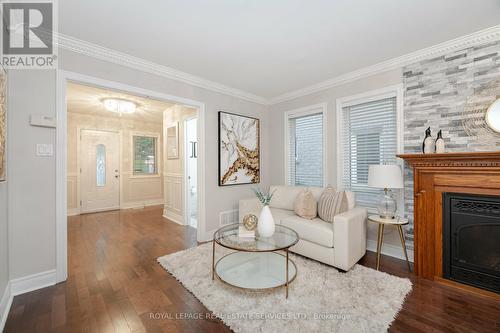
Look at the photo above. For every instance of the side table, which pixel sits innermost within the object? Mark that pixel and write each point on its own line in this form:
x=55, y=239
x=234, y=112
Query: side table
x=398, y=222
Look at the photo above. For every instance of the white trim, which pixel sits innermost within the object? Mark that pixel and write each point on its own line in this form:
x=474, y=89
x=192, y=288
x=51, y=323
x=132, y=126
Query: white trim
x=386, y=92
x=141, y=203
x=179, y=219
x=96, y=51
x=304, y=111
x=5, y=305
x=74, y=211
x=479, y=37
x=186, y=217
x=63, y=77
x=389, y=250
x=32, y=282
x=99, y=52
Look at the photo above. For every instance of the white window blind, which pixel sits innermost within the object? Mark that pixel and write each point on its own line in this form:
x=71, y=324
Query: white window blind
x=305, y=150
x=369, y=137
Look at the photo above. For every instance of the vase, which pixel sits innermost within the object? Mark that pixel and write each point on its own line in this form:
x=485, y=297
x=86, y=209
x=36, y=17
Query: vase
x=265, y=226
x=440, y=145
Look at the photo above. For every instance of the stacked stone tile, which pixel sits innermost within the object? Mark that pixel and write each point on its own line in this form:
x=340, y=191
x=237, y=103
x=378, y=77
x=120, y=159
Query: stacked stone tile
x=436, y=91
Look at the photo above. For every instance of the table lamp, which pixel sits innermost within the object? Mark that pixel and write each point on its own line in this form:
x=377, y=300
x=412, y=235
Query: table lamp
x=386, y=177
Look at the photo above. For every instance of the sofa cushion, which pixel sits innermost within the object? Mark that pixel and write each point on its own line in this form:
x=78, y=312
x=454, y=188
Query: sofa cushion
x=284, y=196
x=315, y=230
x=331, y=203
x=280, y=214
x=306, y=205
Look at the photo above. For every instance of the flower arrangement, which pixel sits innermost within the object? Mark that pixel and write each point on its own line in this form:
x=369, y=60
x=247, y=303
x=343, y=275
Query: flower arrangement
x=264, y=198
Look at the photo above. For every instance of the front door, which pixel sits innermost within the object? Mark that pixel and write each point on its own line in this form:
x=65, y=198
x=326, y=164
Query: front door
x=100, y=172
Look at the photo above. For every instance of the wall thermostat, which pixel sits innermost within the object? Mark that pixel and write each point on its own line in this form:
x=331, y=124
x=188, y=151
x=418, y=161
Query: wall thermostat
x=42, y=121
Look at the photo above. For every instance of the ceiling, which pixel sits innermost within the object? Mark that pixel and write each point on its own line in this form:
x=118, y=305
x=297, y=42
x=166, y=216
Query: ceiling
x=272, y=47
x=87, y=100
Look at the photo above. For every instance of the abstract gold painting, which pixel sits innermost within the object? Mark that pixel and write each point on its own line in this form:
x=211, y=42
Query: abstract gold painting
x=3, y=123
x=239, y=149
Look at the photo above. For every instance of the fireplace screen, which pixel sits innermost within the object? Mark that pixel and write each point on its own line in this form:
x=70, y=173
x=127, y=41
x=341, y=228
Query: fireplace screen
x=471, y=240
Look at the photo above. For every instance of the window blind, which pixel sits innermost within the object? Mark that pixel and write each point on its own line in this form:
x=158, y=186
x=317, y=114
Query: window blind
x=369, y=137
x=305, y=151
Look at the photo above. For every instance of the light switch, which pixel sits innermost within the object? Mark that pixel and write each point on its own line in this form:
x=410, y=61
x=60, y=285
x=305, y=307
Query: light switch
x=44, y=149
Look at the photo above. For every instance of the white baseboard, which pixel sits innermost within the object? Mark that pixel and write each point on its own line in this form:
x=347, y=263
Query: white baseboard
x=32, y=282
x=389, y=250
x=174, y=217
x=73, y=211
x=141, y=204
x=125, y=205
x=5, y=304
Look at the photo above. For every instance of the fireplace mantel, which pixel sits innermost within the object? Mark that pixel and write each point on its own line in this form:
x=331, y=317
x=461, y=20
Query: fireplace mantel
x=435, y=174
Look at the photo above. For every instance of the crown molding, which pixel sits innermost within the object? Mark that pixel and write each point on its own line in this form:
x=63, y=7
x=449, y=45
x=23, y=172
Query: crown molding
x=96, y=51
x=479, y=37
x=120, y=58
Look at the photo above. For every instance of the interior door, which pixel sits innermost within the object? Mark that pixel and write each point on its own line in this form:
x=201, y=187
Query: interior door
x=192, y=171
x=99, y=170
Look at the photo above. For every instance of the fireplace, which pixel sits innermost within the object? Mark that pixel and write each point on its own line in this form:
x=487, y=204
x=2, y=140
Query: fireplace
x=471, y=240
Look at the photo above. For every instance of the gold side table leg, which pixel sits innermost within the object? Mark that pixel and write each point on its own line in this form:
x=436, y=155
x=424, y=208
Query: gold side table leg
x=403, y=243
x=213, y=259
x=380, y=238
x=286, y=285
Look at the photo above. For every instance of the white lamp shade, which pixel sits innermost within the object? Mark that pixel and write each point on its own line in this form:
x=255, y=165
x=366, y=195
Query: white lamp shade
x=385, y=176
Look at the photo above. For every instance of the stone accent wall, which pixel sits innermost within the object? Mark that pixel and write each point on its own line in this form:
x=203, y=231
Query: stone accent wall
x=435, y=94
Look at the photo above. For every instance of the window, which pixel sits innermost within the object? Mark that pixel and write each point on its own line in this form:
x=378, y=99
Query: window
x=145, y=157
x=305, y=147
x=100, y=165
x=368, y=135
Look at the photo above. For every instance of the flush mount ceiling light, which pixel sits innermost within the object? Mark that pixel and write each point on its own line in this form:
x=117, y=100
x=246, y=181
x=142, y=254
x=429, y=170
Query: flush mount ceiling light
x=119, y=105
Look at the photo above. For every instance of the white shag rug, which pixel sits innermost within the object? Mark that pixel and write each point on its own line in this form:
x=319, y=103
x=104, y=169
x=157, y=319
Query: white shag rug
x=321, y=299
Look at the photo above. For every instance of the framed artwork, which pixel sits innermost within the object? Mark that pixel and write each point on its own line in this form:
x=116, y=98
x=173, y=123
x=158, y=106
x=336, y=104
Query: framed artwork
x=3, y=123
x=239, y=149
x=173, y=141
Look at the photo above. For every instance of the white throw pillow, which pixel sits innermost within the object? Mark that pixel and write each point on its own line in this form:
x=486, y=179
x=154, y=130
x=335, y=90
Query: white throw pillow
x=305, y=205
x=332, y=203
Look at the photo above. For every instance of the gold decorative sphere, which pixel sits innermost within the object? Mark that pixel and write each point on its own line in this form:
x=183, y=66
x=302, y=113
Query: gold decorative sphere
x=250, y=222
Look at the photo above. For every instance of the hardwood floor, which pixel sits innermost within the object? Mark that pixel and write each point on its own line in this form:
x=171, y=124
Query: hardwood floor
x=115, y=284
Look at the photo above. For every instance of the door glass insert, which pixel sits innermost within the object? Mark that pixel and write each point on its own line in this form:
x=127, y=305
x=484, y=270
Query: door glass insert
x=101, y=165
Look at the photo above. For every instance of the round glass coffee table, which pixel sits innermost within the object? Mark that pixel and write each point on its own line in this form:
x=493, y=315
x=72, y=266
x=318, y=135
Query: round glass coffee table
x=256, y=264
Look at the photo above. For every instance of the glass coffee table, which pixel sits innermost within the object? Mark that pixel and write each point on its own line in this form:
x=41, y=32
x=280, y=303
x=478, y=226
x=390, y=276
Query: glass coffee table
x=256, y=264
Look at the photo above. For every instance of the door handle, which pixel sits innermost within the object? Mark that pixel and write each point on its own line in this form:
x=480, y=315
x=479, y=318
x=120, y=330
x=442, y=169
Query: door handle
x=116, y=176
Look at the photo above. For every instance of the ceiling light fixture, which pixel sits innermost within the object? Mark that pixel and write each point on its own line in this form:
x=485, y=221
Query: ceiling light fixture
x=119, y=105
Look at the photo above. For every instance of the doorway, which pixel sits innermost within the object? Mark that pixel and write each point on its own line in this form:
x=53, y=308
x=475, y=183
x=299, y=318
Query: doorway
x=191, y=171
x=64, y=180
x=99, y=170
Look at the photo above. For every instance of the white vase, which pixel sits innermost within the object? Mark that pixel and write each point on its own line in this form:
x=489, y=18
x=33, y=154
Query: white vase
x=265, y=226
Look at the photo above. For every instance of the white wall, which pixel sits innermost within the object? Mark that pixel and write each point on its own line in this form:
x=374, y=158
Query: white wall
x=31, y=196
x=33, y=180
x=328, y=96
x=4, y=241
x=135, y=190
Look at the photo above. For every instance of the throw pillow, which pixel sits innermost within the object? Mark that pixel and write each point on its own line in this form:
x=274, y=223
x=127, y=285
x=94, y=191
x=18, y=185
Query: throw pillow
x=332, y=203
x=305, y=205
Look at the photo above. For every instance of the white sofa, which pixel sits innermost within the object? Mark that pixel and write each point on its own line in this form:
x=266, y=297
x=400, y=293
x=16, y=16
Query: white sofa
x=340, y=244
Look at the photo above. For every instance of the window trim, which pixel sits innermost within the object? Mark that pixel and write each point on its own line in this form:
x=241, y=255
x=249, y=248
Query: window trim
x=369, y=96
x=305, y=111
x=158, y=155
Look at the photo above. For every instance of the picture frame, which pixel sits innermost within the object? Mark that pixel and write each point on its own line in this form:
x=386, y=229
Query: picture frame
x=173, y=141
x=239, y=149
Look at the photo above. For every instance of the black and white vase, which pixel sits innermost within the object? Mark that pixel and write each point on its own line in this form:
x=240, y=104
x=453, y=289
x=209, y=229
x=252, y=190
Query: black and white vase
x=428, y=146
